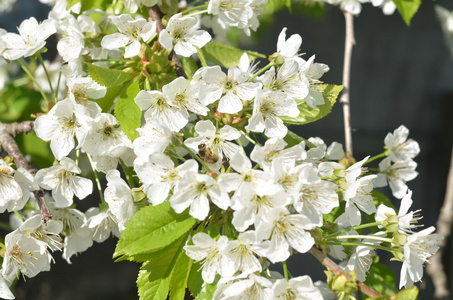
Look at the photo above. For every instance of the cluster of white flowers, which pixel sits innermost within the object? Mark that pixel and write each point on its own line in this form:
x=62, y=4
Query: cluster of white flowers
x=190, y=152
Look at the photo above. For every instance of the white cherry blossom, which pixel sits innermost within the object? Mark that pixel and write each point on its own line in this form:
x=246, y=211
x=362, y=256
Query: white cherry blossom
x=197, y=190
x=400, y=147
x=159, y=175
x=229, y=89
x=23, y=254
x=31, y=38
x=64, y=183
x=106, y=138
x=131, y=32
x=212, y=255
x=267, y=108
x=182, y=34
x=119, y=197
x=419, y=247
x=396, y=175
x=60, y=125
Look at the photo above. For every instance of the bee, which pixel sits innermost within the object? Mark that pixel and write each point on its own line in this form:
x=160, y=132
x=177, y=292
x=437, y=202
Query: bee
x=206, y=154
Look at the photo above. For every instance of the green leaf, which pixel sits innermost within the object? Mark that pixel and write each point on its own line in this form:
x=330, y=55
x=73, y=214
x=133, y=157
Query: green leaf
x=189, y=65
x=380, y=198
x=382, y=279
x=107, y=77
x=179, y=277
x=409, y=293
x=95, y=4
x=195, y=281
x=293, y=139
x=39, y=150
x=156, y=274
x=107, y=101
x=307, y=114
x=152, y=285
x=207, y=293
x=71, y=3
x=127, y=111
x=226, y=56
x=151, y=229
x=18, y=103
x=407, y=9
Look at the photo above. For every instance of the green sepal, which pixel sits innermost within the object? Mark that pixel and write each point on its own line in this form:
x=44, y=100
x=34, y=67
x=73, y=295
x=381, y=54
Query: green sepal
x=407, y=9
x=127, y=111
x=153, y=228
x=226, y=56
x=307, y=114
x=107, y=77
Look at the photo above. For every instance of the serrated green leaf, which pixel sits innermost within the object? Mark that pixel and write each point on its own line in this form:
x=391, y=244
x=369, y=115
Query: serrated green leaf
x=127, y=111
x=107, y=77
x=106, y=102
x=382, y=279
x=150, y=285
x=195, y=281
x=307, y=114
x=153, y=228
x=189, y=65
x=179, y=277
x=207, y=293
x=226, y=56
x=407, y=9
x=143, y=257
x=409, y=293
x=158, y=271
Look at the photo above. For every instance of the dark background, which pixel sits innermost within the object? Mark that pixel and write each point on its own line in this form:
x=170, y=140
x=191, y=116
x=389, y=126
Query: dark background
x=399, y=75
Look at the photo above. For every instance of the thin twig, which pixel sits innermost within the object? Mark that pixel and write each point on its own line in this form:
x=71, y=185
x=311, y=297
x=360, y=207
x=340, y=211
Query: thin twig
x=435, y=269
x=7, y=142
x=344, y=100
x=156, y=15
x=337, y=270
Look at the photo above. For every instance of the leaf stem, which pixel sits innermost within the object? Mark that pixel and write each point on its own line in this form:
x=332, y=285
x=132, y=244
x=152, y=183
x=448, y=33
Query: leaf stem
x=268, y=66
x=353, y=228
x=96, y=176
x=361, y=244
x=203, y=7
x=365, y=237
x=22, y=63
x=48, y=77
x=383, y=154
x=196, y=13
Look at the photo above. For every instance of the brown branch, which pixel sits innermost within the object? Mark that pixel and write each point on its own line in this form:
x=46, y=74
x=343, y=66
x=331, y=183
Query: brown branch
x=156, y=15
x=436, y=269
x=344, y=99
x=337, y=270
x=7, y=142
